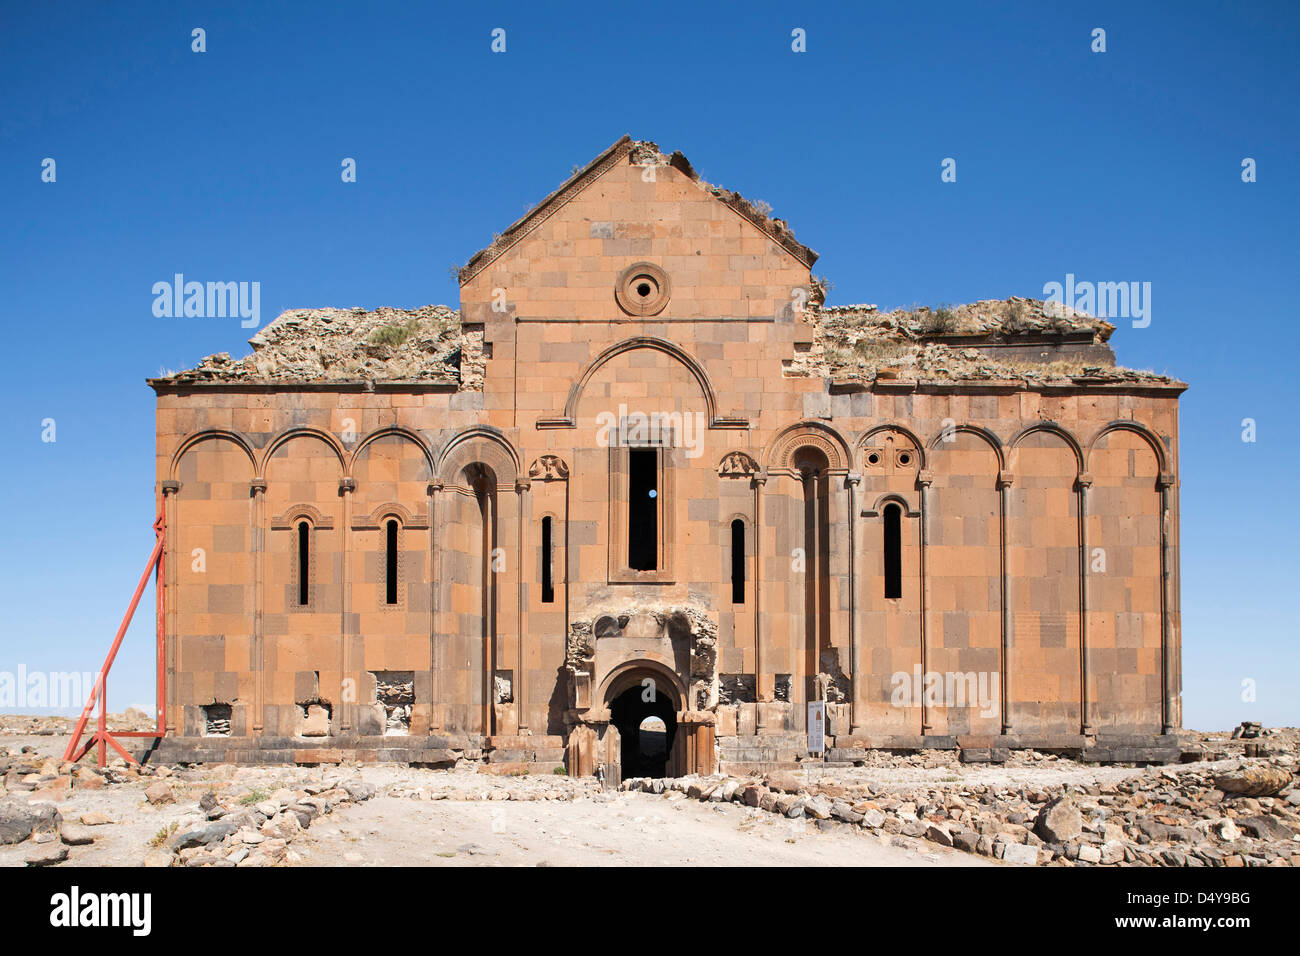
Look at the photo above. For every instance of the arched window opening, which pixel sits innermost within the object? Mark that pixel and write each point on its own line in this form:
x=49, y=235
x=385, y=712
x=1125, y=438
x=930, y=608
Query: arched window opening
x=390, y=565
x=548, y=562
x=893, y=551
x=737, y=562
x=304, y=563
x=643, y=509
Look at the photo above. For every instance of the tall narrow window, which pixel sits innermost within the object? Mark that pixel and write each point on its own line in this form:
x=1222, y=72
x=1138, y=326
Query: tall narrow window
x=548, y=551
x=737, y=562
x=304, y=562
x=893, y=552
x=643, y=509
x=390, y=566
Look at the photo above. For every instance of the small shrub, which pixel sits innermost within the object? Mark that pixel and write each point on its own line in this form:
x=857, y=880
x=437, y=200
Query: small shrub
x=881, y=352
x=163, y=835
x=939, y=322
x=560, y=772
x=252, y=797
x=394, y=335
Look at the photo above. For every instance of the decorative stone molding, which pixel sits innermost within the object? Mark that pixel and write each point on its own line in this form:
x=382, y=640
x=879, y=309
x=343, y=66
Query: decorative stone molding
x=584, y=658
x=1006, y=479
x=375, y=519
x=876, y=509
x=257, y=486
x=737, y=464
x=643, y=288
x=548, y=468
x=170, y=486
x=347, y=484
x=287, y=520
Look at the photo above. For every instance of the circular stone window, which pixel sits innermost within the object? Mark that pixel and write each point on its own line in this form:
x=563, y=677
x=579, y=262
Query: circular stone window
x=642, y=289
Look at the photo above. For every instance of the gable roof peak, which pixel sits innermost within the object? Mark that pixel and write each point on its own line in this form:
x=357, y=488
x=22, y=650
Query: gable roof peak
x=638, y=153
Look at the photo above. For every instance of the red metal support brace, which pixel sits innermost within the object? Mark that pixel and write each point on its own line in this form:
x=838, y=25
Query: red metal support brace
x=101, y=736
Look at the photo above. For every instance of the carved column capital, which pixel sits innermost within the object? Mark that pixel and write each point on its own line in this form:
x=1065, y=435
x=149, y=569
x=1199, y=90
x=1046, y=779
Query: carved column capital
x=170, y=486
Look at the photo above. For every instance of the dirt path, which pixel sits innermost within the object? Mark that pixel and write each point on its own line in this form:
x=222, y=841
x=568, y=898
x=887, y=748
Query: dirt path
x=630, y=829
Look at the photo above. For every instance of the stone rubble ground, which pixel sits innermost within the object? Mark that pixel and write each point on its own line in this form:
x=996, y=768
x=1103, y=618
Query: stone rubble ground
x=1228, y=809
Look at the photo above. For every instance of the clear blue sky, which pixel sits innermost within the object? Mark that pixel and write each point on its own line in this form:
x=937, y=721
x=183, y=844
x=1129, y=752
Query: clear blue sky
x=225, y=166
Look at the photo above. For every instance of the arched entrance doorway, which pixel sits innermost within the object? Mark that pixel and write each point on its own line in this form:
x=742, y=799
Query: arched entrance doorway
x=645, y=747
x=644, y=704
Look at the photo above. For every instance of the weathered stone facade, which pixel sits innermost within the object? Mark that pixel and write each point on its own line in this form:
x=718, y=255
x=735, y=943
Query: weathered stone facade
x=633, y=477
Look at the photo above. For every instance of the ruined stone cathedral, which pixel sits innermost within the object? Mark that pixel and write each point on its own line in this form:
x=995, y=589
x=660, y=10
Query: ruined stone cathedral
x=645, y=471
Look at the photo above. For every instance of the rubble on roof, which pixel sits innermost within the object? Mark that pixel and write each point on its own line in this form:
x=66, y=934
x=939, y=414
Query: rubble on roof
x=353, y=345
x=851, y=343
x=858, y=343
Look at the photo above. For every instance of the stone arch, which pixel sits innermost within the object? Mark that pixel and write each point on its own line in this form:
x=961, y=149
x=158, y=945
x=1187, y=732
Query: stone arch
x=1125, y=541
x=937, y=443
x=303, y=431
x=390, y=431
x=390, y=509
x=1050, y=428
x=211, y=434
x=897, y=429
x=482, y=445
x=1137, y=428
x=630, y=674
x=909, y=509
x=301, y=512
x=668, y=348
x=814, y=434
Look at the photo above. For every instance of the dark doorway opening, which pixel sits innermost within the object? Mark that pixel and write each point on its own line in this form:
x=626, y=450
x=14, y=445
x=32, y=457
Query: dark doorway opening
x=644, y=753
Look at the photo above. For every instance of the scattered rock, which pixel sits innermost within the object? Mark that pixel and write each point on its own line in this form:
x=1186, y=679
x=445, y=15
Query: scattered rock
x=159, y=793
x=212, y=833
x=1059, y=821
x=46, y=854
x=75, y=834
x=1253, y=780
x=18, y=823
